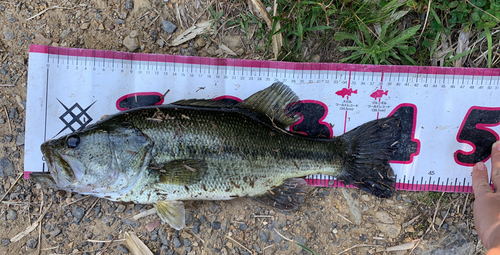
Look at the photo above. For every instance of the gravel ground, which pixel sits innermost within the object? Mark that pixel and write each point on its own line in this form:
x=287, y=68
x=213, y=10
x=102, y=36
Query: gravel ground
x=332, y=221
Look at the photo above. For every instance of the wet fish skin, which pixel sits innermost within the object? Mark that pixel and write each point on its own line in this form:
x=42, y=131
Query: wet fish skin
x=198, y=149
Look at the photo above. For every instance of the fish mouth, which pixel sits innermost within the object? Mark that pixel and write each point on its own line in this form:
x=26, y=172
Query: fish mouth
x=45, y=179
x=60, y=171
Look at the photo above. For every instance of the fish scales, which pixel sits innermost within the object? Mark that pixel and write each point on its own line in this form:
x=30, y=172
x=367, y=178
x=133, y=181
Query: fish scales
x=245, y=156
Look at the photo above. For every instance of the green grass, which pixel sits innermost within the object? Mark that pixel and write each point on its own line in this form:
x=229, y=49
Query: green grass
x=410, y=32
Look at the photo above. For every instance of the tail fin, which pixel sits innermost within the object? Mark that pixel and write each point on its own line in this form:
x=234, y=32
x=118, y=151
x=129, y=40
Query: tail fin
x=369, y=149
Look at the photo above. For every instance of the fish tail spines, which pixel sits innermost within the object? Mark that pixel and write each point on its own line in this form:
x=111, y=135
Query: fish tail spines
x=370, y=147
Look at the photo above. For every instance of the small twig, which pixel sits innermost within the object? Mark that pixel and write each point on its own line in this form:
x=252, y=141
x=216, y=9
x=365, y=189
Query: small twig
x=426, y=17
x=53, y=7
x=239, y=243
x=483, y=10
x=51, y=248
x=358, y=245
x=100, y=253
x=8, y=121
x=435, y=213
x=191, y=232
x=18, y=203
x=12, y=186
x=92, y=206
x=269, y=246
x=76, y=201
x=344, y=218
x=7, y=85
x=99, y=241
x=222, y=145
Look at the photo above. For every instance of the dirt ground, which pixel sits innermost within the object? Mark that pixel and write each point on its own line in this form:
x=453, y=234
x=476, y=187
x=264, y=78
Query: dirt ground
x=332, y=221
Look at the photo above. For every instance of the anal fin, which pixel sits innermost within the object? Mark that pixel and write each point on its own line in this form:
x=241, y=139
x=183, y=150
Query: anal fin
x=172, y=212
x=289, y=196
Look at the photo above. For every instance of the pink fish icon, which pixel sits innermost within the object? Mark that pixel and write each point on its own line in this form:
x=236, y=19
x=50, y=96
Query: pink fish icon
x=379, y=93
x=346, y=92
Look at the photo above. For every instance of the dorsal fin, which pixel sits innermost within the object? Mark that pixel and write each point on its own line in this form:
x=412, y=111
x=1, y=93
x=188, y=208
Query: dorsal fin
x=274, y=102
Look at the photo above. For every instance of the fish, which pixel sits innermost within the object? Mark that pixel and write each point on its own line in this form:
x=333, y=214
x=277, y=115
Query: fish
x=201, y=149
x=346, y=92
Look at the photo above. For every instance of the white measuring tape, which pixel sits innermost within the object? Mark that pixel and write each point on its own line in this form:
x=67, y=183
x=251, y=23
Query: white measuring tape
x=450, y=116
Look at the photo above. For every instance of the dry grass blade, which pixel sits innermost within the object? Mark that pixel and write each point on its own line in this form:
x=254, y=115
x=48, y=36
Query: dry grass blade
x=12, y=186
x=30, y=228
x=241, y=245
x=192, y=32
x=144, y=214
x=277, y=39
x=226, y=50
x=356, y=246
x=403, y=247
x=135, y=245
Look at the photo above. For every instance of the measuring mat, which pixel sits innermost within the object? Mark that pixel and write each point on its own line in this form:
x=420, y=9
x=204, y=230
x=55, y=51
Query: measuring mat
x=450, y=116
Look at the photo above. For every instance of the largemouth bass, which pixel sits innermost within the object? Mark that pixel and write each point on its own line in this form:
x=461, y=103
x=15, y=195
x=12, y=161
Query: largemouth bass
x=205, y=149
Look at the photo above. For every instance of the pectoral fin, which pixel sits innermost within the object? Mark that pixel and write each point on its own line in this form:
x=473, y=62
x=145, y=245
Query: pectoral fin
x=289, y=196
x=181, y=171
x=171, y=212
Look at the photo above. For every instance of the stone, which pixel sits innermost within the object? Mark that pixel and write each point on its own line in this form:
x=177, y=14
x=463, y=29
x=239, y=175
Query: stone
x=20, y=139
x=384, y=217
x=6, y=167
x=8, y=35
x=215, y=208
x=216, y=225
x=316, y=58
x=353, y=206
x=177, y=242
x=130, y=43
x=243, y=226
x=65, y=33
x=85, y=25
x=233, y=42
x=122, y=248
x=129, y=5
x=78, y=213
x=391, y=230
x=40, y=39
x=121, y=208
x=151, y=226
x=200, y=42
x=31, y=243
x=11, y=214
x=131, y=223
x=55, y=232
x=5, y=241
x=168, y=26
x=135, y=33
x=163, y=237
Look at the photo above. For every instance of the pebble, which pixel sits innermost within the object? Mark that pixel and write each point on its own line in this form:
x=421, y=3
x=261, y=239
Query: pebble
x=8, y=35
x=203, y=220
x=131, y=223
x=5, y=241
x=151, y=226
x=122, y=248
x=20, y=139
x=243, y=226
x=168, y=26
x=215, y=208
x=392, y=230
x=187, y=243
x=40, y=39
x=130, y=43
x=200, y=42
x=362, y=238
x=13, y=114
x=55, y=232
x=78, y=213
x=32, y=243
x=384, y=217
x=177, y=242
x=11, y=214
x=65, y=33
x=154, y=235
x=129, y=5
x=444, y=226
x=10, y=18
x=121, y=208
x=6, y=167
x=216, y=225
x=196, y=227
x=163, y=237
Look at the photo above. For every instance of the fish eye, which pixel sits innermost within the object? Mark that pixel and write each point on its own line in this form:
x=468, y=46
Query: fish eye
x=73, y=141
